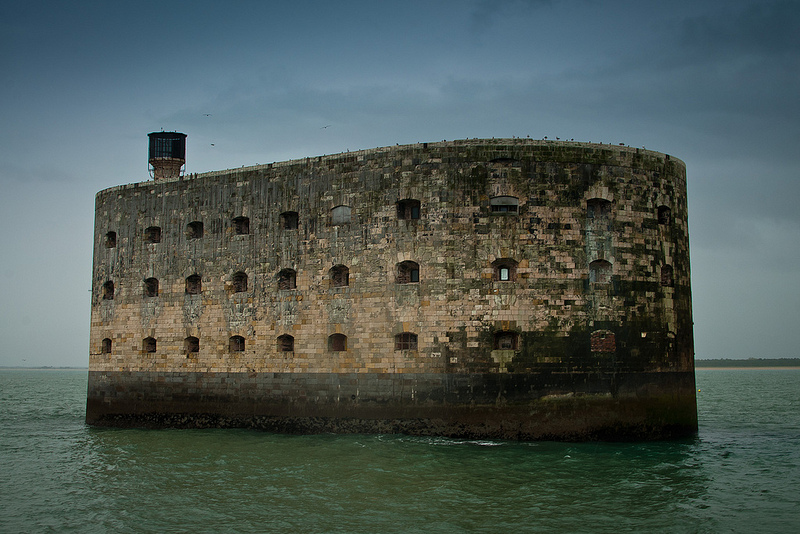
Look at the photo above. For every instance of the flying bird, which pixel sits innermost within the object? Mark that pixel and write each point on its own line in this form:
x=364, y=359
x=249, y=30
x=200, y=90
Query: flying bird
x=324, y=127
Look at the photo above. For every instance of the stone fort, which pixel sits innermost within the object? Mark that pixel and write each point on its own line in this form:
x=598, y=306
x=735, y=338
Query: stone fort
x=488, y=288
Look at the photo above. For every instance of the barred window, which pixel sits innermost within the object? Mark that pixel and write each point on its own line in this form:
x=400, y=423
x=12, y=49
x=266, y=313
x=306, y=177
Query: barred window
x=407, y=272
x=405, y=341
x=340, y=215
x=236, y=344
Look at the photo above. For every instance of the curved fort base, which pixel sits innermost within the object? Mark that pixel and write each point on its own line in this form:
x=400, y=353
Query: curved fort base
x=563, y=406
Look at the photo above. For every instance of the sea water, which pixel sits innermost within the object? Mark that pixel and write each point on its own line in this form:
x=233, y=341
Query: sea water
x=741, y=473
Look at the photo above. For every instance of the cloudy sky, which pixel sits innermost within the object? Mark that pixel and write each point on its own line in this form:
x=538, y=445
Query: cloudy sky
x=715, y=83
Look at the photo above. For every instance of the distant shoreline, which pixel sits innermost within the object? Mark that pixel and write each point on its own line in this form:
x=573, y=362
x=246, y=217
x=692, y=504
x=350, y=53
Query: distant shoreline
x=754, y=368
x=45, y=368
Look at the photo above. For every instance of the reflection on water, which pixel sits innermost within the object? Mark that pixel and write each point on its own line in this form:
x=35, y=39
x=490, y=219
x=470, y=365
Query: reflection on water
x=740, y=473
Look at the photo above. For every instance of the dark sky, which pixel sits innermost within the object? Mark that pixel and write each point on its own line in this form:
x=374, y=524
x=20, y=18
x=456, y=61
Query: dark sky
x=715, y=83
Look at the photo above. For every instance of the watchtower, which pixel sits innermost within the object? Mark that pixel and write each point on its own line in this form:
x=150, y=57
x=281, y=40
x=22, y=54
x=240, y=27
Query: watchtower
x=167, y=154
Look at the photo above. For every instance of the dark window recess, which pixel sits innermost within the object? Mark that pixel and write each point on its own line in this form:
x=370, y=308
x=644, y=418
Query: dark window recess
x=236, y=344
x=290, y=220
x=667, y=276
x=287, y=279
x=603, y=341
x=408, y=209
x=194, y=230
x=108, y=290
x=405, y=341
x=340, y=276
x=285, y=343
x=504, y=204
x=191, y=344
x=505, y=270
x=506, y=341
x=340, y=215
x=152, y=234
x=105, y=346
x=194, y=284
x=149, y=344
x=110, y=240
x=600, y=271
x=151, y=287
x=337, y=342
x=241, y=226
x=598, y=208
x=664, y=215
x=407, y=272
x=239, y=280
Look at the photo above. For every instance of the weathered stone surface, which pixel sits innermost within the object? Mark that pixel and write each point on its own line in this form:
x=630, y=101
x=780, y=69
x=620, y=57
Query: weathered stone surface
x=543, y=293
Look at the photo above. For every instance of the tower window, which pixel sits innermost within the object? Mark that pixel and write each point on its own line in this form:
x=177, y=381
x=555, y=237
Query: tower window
x=340, y=215
x=105, y=346
x=506, y=340
x=152, y=234
x=149, y=344
x=194, y=230
x=290, y=220
x=194, y=284
x=285, y=343
x=108, y=290
x=239, y=282
x=598, y=208
x=287, y=279
x=340, y=276
x=151, y=287
x=236, y=344
x=600, y=271
x=504, y=270
x=110, y=240
x=191, y=344
x=407, y=272
x=504, y=204
x=408, y=209
x=664, y=215
x=667, y=278
x=241, y=226
x=337, y=342
x=405, y=341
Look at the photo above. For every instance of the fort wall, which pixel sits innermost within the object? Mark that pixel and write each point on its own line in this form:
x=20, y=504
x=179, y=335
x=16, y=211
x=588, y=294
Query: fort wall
x=507, y=288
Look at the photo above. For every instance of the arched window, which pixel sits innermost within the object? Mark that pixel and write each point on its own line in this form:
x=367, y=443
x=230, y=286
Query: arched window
x=241, y=225
x=504, y=204
x=337, y=342
x=239, y=280
x=504, y=270
x=664, y=215
x=194, y=284
x=151, y=287
x=110, y=240
x=290, y=220
x=152, y=234
x=405, y=341
x=108, y=290
x=194, y=230
x=408, y=209
x=236, y=344
x=667, y=278
x=603, y=341
x=407, y=272
x=287, y=279
x=506, y=340
x=340, y=276
x=191, y=344
x=148, y=344
x=285, y=343
x=340, y=215
x=105, y=346
x=600, y=271
x=598, y=208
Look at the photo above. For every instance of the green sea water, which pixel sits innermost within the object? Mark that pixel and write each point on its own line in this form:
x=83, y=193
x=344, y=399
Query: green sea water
x=740, y=474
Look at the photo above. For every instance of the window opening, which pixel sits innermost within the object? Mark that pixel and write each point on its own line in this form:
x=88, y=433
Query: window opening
x=290, y=220
x=149, y=344
x=600, y=271
x=194, y=284
x=340, y=215
x=105, y=346
x=111, y=240
x=337, y=342
x=504, y=204
x=598, y=208
x=152, y=234
x=239, y=282
x=285, y=343
x=194, y=230
x=664, y=215
x=236, y=344
x=151, y=287
x=505, y=270
x=408, y=209
x=191, y=344
x=506, y=340
x=340, y=276
x=667, y=278
x=405, y=341
x=241, y=225
x=287, y=279
x=407, y=272
x=108, y=290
